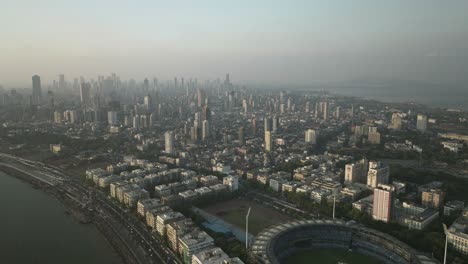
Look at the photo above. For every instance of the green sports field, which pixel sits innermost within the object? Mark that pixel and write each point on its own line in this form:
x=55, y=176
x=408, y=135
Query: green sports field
x=234, y=211
x=330, y=256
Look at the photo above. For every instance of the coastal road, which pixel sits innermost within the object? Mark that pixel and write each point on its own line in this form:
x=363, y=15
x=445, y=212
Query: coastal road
x=143, y=246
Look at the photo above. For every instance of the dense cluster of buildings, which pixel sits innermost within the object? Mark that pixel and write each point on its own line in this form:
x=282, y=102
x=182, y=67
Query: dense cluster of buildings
x=155, y=191
x=220, y=128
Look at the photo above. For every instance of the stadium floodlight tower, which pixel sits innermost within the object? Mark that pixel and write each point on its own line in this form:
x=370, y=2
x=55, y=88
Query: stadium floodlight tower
x=446, y=242
x=334, y=202
x=247, y=229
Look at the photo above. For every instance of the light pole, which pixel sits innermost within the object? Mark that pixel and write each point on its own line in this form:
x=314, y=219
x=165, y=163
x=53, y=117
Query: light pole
x=334, y=202
x=247, y=229
x=446, y=242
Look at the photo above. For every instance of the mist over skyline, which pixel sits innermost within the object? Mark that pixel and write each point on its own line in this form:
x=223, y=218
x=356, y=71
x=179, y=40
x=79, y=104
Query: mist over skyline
x=265, y=42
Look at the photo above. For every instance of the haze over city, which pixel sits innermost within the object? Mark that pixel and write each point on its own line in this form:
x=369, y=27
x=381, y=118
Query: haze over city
x=234, y=132
x=259, y=42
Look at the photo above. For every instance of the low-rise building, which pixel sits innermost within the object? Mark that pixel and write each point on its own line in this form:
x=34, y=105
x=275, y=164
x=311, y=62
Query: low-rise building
x=291, y=186
x=209, y=180
x=121, y=190
x=352, y=192
x=365, y=204
x=318, y=195
x=210, y=256
x=326, y=184
x=173, y=200
x=194, y=242
x=114, y=186
x=105, y=181
x=162, y=190
x=177, y=229
x=218, y=188
x=188, y=195
x=203, y=191
x=421, y=220
x=432, y=198
x=167, y=218
x=458, y=233
x=144, y=205
x=453, y=206
x=232, y=182
x=151, y=215
x=131, y=197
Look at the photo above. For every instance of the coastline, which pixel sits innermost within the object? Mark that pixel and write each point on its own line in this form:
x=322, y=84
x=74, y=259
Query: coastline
x=80, y=215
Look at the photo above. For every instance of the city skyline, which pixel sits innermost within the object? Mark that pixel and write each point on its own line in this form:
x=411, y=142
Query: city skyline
x=298, y=43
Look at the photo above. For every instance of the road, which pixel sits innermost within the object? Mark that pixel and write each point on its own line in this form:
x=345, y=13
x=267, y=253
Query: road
x=132, y=232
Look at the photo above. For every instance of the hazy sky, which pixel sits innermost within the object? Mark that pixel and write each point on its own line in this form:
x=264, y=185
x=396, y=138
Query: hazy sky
x=297, y=42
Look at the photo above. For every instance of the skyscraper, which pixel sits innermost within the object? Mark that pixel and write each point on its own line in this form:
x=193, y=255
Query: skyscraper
x=112, y=118
x=254, y=125
x=61, y=84
x=383, y=203
x=267, y=123
x=148, y=102
x=206, y=113
x=205, y=130
x=36, y=90
x=357, y=172
x=200, y=97
x=146, y=85
x=311, y=136
x=325, y=110
x=169, y=142
x=378, y=174
x=268, y=141
x=275, y=124
x=85, y=93
x=421, y=123
x=396, y=121
x=241, y=135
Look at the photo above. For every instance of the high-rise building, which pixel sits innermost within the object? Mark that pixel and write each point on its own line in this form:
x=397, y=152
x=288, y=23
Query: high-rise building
x=267, y=123
x=432, y=198
x=194, y=133
x=146, y=85
x=396, y=121
x=275, y=124
x=324, y=109
x=136, y=122
x=206, y=113
x=254, y=125
x=85, y=93
x=383, y=203
x=268, y=141
x=148, y=102
x=311, y=136
x=373, y=136
x=112, y=118
x=421, y=123
x=357, y=172
x=36, y=90
x=205, y=130
x=379, y=173
x=200, y=97
x=61, y=83
x=169, y=142
x=57, y=117
x=241, y=135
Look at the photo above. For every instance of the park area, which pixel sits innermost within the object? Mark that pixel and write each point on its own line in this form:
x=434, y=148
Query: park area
x=235, y=210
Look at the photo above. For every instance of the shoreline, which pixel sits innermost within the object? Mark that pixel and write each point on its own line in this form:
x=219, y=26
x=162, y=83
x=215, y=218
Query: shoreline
x=82, y=217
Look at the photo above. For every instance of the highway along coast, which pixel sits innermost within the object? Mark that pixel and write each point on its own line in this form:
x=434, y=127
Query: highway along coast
x=30, y=210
